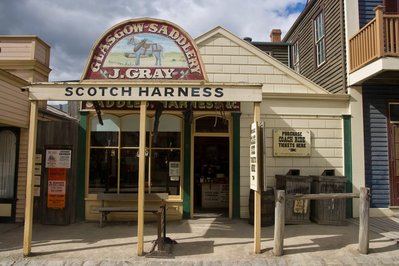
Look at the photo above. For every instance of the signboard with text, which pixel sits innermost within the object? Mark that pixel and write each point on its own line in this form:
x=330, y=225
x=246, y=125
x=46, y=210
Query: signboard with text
x=255, y=157
x=145, y=49
x=291, y=142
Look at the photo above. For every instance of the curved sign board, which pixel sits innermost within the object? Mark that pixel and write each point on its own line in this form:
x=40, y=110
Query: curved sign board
x=145, y=49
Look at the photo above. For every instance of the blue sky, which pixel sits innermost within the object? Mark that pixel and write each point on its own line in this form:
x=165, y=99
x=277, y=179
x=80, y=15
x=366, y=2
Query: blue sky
x=71, y=27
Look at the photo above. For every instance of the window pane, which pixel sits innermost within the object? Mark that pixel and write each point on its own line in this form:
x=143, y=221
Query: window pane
x=211, y=124
x=129, y=171
x=8, y=149
x=110, y=123
x=166, y=140
x=394, y=112
x=104, y=139
x=103, y=170
x=160, y=179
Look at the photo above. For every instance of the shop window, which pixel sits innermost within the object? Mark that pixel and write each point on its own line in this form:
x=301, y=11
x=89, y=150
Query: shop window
x=104, y=154
x=165, y=155
x=213, y=124
x=114, y=165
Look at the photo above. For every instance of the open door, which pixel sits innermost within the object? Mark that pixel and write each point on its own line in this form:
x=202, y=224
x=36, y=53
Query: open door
x=211, y=177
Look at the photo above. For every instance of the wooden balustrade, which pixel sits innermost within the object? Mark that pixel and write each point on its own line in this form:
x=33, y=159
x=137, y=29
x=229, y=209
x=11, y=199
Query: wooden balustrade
x=379, y=38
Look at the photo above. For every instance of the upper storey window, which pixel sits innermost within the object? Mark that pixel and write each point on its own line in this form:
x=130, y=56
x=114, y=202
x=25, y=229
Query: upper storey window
x=295, y=56
x=320, y=39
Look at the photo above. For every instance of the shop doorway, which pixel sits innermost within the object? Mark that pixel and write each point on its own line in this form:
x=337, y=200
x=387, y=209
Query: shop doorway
x=211, y=176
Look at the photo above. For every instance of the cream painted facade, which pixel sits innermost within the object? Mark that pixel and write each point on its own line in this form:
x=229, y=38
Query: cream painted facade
x=289, y=102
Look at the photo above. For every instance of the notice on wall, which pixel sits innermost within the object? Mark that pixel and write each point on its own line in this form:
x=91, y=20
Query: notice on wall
x=174, y=169
x=56, y=188
x=58, y=158
x=291, y=143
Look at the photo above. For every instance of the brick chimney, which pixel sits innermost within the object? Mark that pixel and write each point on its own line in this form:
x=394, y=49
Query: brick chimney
x=275, y=35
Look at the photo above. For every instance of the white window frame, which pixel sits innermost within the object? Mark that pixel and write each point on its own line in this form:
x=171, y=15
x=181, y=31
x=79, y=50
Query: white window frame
x=320, y=39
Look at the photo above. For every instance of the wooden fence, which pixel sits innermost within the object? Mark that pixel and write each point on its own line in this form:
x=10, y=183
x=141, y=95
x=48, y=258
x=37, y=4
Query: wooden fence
x=364, y=207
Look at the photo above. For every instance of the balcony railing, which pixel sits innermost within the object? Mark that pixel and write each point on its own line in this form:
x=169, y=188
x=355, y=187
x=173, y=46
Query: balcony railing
x=379, y=38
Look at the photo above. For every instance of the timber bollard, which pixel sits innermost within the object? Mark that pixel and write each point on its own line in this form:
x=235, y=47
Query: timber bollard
x=279, y=223
x=364, y=208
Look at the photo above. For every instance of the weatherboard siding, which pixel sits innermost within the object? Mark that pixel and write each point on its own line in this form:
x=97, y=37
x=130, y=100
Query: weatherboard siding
x=375, y=111
x=366, y=10
x=331, y=74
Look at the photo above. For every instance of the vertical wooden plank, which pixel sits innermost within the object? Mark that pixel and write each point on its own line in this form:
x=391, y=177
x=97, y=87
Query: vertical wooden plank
x=141, y=190
x=29, y=182
x=379, y=30
x=257, y=197
x=364, y=208
x=279, y=223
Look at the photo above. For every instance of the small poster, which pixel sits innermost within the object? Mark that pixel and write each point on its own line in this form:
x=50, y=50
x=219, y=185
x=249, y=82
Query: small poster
x=174, y=169
x=56, y=188
x=38, y=158
x=58, y=158
x=38, y=169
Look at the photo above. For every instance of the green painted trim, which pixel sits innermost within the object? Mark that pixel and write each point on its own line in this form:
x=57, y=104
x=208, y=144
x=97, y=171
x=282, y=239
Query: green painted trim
x=186, y=171
x=236, y=165
x=348, y=162
x=80, y=183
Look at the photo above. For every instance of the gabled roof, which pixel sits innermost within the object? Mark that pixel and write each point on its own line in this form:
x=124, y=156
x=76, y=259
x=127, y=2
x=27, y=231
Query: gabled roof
x=260, y=54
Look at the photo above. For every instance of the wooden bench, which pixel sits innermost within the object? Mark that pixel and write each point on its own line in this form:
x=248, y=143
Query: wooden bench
x=113, y=197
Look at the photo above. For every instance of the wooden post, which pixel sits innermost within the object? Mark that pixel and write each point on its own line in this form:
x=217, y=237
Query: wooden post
x=364, y=220
x=279, y=223
x=257, y=197
x=141, y=190
x=379, y=19
x=29, y=179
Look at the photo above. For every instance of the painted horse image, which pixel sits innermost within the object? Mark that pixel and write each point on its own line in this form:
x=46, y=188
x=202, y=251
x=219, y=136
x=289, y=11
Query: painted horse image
x=141, y=48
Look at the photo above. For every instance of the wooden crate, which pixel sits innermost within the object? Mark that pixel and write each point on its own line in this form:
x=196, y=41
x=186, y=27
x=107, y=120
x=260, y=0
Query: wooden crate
x=331, y=211
x=296, y=211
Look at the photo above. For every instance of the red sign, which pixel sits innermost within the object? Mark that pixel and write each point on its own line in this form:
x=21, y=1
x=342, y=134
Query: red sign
x=56, y=188
x=145, y=49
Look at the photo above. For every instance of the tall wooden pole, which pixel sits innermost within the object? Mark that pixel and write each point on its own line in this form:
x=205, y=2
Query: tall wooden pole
x=140, y=200
x=279, y=223
x=29, y=179
x=257, y=197
x=364, y=209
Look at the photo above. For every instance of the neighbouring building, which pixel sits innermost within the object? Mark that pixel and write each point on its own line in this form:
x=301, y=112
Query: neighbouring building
x=23, y=60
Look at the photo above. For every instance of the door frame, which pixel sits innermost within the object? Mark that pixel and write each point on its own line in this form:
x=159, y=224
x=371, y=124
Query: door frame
x=229, y=135
x=392, y=166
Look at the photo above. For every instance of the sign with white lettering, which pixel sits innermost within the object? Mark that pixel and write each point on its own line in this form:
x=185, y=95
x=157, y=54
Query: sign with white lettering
x=145, y=49
x=291, y=143
x=137, y=92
